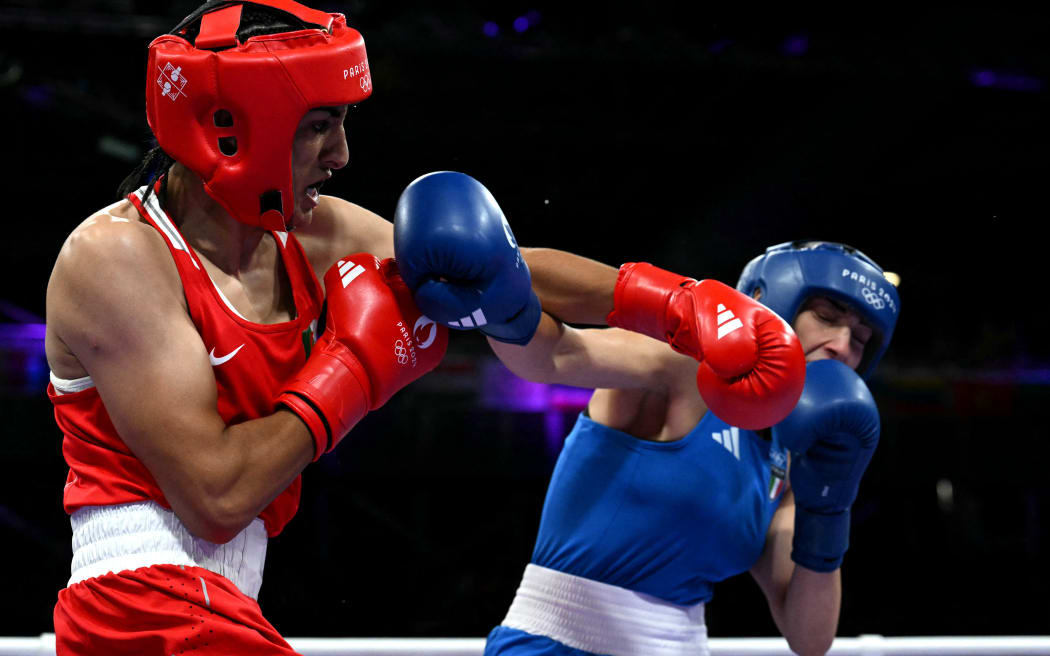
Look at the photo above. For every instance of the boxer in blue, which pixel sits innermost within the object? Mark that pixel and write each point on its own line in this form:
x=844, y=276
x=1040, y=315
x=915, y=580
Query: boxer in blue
x=664, y=487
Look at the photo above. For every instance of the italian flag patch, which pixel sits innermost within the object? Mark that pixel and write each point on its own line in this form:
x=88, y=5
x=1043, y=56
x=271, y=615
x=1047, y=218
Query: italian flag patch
x=776, y=486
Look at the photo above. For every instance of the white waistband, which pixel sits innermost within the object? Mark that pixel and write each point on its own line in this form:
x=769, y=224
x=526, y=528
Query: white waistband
x=604, y=619
x=132, y=535
x=69, y=386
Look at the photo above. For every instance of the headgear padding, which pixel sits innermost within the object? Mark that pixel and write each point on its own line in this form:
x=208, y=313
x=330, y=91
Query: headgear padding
x=228, y=110
x=789, y=273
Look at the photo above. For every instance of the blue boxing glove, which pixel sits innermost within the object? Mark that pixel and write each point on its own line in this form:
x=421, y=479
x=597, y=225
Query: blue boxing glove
x=832, y=434
x=459, y=257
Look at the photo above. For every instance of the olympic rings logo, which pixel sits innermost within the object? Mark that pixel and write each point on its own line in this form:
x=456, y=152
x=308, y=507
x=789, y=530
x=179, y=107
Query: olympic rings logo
x=401, y=352
x=366, y=82
x=872, y=298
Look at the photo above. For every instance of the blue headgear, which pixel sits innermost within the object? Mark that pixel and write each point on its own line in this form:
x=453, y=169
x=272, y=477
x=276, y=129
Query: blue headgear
x=794, y=271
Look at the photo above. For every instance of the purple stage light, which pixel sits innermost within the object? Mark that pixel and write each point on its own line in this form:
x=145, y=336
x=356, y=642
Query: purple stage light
x=1002, y=80
x=502, y=390
x=38, y=95
x=719, y=45
x=1035, y=376
x=490, y=29
x=983, y=78
x=1021, y=83
x=796, y=44
x=554, y=425
x=26, y=335
x=1020, y=375
x=23, y=364
x=521, y=23
x=573, y=399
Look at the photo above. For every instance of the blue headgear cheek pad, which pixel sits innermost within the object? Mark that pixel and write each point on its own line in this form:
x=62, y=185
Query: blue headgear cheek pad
x=788, y=274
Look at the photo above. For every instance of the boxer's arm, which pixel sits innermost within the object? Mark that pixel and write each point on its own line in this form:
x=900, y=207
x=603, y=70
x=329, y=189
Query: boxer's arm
x=571, y=287
x=804, y=604
x=594, y=358
x=642, y=386
x=115, y=300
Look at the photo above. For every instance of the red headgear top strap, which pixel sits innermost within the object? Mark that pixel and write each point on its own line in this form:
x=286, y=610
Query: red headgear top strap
x=219, y=28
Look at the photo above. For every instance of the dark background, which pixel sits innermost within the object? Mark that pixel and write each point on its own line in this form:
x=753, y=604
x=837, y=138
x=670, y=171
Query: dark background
x=687, y=135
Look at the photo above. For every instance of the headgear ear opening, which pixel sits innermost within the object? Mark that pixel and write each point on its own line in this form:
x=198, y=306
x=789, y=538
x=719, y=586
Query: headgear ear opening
x=787, y=274
x=226, y=105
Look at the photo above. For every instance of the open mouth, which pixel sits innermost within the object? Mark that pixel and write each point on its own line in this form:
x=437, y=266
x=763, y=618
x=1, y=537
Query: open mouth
x=313, y=192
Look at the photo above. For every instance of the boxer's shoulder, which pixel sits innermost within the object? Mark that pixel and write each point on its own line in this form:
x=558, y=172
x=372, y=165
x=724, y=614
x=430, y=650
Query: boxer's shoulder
x=339, y=227
x=113, y=238
x=111, y=251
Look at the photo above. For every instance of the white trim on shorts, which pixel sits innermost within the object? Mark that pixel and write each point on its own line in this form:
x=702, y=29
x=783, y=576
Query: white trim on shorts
x=604, y=619
x=111, y=539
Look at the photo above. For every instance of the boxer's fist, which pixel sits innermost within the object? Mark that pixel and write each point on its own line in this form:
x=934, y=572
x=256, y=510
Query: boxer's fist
x=832, y=434
x=375, y=341
x=460, y=259
x=752, y=366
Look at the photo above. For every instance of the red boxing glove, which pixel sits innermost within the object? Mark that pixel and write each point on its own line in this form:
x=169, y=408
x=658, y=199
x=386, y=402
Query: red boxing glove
x=375, y=341
x=752, y=368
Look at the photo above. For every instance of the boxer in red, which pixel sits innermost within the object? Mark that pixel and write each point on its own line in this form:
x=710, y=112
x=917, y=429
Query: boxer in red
x=182, y=322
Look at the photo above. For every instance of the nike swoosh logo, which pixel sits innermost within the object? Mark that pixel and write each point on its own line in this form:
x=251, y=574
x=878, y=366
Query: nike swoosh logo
x=215, y=362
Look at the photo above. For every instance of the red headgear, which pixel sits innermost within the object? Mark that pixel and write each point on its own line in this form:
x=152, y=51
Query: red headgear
x=228, y=110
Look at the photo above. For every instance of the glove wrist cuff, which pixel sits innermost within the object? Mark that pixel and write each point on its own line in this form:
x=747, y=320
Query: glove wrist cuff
x=640, y=299
x=821, y=540
x=330, y=394
x=520, y=328
x=312, y=417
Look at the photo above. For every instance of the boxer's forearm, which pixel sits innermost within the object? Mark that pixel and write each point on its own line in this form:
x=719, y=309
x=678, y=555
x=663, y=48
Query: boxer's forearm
x=811, y=610
x=572, y=288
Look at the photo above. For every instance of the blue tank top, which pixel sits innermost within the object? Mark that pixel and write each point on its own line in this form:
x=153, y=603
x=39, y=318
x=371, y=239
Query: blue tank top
x=665, y=518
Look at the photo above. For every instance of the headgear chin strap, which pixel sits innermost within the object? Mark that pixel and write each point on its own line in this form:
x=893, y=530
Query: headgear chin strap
x=228, y=110
x=789, y=273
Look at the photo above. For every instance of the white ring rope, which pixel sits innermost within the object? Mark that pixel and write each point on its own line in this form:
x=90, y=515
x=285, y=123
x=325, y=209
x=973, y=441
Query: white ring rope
x=865, y=645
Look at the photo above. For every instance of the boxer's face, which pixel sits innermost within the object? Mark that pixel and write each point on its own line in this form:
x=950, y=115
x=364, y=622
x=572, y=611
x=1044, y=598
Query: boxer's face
x=318, y=149
x=830, y=329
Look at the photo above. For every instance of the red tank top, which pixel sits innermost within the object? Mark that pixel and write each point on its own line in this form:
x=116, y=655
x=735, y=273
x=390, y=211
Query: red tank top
x=250, y=362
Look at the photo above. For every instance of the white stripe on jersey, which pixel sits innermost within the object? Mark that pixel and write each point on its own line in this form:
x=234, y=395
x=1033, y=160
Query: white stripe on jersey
x=156, y=213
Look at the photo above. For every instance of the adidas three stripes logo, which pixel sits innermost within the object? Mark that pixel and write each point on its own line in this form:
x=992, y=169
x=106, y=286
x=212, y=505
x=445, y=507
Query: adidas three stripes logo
x=348, y=271
x=730, y=439
x=475, y=320
x=727, y=321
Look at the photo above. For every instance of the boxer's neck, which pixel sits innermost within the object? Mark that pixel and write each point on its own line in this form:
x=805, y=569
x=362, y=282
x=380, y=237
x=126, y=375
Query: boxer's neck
x=216, y=236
